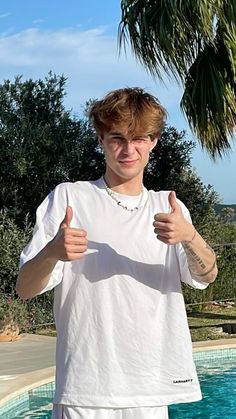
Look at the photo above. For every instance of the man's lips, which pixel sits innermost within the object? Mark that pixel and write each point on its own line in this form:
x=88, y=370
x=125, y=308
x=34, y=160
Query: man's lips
x=127, y=161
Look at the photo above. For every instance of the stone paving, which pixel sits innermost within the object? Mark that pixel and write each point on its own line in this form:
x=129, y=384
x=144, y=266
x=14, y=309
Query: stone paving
x=25, y=362
x=31, y=360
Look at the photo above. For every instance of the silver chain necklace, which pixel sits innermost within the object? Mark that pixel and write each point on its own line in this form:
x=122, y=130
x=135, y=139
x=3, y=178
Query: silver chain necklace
x=119, y=203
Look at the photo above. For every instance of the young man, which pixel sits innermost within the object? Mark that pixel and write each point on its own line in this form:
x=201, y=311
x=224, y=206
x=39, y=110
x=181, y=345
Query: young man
x=115, y=255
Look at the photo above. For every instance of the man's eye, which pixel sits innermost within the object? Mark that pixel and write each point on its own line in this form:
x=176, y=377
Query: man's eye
x=116, y=138
x=140, y=140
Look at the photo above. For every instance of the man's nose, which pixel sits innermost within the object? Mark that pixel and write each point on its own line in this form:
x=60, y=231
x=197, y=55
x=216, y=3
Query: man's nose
x=129, y=146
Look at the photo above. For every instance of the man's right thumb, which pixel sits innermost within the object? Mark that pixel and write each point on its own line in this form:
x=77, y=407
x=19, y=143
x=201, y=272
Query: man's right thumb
x=68, y=217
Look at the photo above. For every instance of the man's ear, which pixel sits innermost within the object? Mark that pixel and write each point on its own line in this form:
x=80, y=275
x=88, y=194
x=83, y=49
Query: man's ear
x=154, y=143
x=100, y=140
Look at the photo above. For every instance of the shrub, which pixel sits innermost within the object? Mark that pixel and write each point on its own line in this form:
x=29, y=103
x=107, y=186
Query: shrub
x=12, y=241
x=12, y=312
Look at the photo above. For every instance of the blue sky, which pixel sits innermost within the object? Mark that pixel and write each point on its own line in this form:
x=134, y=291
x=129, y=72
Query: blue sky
x=79, y=39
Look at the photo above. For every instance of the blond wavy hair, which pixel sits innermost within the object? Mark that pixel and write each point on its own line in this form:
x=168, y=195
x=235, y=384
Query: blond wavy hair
x=131, y=108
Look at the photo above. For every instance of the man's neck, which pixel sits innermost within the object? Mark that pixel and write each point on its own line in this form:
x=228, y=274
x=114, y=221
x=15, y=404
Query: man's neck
x=123, y=186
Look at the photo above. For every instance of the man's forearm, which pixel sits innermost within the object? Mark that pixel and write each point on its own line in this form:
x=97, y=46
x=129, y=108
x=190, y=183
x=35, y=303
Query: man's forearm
x=35, y=274
x=201, y=259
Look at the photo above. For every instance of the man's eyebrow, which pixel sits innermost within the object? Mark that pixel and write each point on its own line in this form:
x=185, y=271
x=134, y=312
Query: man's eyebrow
x=135, y=135
x=116, y=133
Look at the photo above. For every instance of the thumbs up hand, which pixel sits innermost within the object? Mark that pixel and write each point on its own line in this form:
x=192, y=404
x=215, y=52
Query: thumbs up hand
x=69, y=243
x=172, y=227
x=68, y=218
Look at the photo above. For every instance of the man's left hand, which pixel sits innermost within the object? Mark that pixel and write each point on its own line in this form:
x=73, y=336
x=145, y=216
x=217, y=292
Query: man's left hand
x=172, y=227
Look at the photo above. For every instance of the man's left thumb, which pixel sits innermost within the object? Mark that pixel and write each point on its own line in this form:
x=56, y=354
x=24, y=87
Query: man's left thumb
x=172, y=201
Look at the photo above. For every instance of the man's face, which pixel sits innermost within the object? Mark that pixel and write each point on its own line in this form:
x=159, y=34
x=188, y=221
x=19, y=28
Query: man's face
x=126, y=154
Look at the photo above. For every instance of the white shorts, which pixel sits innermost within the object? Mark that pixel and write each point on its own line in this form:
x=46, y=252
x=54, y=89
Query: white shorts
x=78, y=412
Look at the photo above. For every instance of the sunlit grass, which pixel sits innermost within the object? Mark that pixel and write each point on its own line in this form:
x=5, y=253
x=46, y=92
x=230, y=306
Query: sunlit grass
x=206, y=324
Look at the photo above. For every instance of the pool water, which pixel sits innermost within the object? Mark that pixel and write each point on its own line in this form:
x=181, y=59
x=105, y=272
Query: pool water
x=218, y=385
x=217, y=374
x=36, y=403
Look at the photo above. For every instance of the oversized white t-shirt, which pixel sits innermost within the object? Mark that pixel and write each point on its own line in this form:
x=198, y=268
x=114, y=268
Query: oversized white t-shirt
x=122, y=332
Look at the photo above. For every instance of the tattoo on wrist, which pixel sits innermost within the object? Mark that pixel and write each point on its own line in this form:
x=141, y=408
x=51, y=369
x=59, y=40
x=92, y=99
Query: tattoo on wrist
x=205, y=273
x=194, y=257
x=194, y=235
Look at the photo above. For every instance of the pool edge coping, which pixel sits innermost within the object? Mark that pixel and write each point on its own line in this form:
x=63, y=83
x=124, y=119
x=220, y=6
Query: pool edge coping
x=48, y=374
x=211, y=345
x=45, y=376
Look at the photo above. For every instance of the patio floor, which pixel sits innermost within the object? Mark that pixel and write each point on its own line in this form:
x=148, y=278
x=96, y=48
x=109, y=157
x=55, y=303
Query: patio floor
x=25, y=362
x=30, y=361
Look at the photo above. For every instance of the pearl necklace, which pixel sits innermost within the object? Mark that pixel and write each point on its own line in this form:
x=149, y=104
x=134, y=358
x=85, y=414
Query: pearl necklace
x=119, y=203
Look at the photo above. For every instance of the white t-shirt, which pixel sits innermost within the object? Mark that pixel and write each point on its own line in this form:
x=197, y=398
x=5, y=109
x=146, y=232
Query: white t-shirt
x=122, y=332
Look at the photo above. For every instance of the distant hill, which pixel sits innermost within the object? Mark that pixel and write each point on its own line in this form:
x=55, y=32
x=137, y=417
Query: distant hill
x=219, y=207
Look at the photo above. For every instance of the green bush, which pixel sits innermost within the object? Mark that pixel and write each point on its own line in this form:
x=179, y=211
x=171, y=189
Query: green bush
x=12, y=241
x=40, y=310
x=12, y=311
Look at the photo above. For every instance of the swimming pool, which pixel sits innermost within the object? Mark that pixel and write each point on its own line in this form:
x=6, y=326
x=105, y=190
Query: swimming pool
x=217, y=373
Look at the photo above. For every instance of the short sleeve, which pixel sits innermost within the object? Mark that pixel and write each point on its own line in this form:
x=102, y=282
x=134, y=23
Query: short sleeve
x=48, y=218
x=185, y=273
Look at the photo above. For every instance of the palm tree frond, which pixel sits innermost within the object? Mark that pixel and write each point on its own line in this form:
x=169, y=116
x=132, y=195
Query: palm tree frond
x=163, y=33
x=227, y=33
x=193, y=41
x=209, y=103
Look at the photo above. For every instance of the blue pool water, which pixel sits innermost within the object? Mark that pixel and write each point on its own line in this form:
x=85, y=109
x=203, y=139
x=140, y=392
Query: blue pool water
x=217, y=374
x=218, y=383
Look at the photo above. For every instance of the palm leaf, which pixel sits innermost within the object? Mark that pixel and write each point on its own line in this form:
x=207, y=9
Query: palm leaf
x=163, y=33
x=209, y=103
x=194, y=41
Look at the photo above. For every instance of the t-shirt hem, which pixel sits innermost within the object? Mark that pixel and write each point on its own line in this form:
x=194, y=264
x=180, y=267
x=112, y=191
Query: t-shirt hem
x=121, y=402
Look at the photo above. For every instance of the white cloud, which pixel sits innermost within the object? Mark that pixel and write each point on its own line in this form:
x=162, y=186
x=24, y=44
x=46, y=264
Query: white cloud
x=37, y=21
x=4, y=15
x=88, y=58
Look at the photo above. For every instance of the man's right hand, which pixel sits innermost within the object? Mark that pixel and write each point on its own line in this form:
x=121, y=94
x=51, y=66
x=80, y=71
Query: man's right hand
x=69, y=243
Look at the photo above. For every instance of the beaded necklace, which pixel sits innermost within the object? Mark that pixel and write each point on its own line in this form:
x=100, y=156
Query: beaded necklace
x=119, y=203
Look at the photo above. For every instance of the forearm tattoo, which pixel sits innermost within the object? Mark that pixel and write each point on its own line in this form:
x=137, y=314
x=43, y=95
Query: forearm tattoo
x=195, y=261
